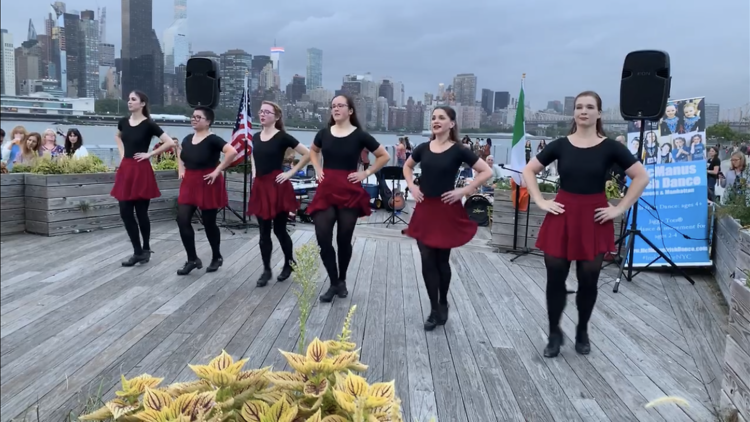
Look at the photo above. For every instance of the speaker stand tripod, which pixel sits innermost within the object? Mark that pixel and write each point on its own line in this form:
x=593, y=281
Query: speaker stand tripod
x=633, y=232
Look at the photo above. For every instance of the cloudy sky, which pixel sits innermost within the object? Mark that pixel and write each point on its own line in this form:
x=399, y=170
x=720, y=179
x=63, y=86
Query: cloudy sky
x=564, y=47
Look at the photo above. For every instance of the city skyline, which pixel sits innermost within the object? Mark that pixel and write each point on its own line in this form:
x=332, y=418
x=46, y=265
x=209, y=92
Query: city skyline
x=704, y=62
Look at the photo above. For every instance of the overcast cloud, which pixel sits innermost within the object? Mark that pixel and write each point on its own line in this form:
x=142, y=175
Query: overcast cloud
x=564, y=47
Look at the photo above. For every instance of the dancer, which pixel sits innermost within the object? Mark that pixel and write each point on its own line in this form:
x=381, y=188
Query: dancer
x=440, y=222
x=272, y=196
x=340, y=198
x=135, y=182
x=579, y=224
x=202, y=187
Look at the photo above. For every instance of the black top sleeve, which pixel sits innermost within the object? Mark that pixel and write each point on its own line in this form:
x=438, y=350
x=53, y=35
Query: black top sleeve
x=368, y=141
x=290, y=141
x=155, y=129
x=318, y=141
x=622, y=155
x=468, y=156
x=218, y=142
x=550, y=153
x=416, y=155
x=120, y=123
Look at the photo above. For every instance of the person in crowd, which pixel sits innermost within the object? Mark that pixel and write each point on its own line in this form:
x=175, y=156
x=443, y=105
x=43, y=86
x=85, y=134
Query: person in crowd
x=340, y=198
x=135, y=182
x=74, y=144
x=401, y=152
x=202, y=187
x=527, y=150
x=30, y=149
x=737, y=177
x=713, y=166
x=579, y=222
x=13, y=146
x=49, y=144
x=439, y=221
x=409, y=147
x=364, y=159
x=272, y=196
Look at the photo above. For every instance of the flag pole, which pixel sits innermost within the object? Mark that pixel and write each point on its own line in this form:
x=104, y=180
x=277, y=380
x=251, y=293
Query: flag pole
x=245, y=98
x=518, y=188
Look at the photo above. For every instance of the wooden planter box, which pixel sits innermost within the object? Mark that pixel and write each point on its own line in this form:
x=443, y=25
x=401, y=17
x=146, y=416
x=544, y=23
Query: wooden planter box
x=726, y=250
x=503, y=217
x=63, y=204
x=735, y=386
x=12, y=218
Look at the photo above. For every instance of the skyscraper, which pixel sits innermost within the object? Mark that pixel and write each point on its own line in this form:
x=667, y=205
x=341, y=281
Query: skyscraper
x=88, y=68
x=176, y=39
x=314, y=68
x=465, y=88
x=502, y=100
x=7, y=64
x=139, y=67
x=235, y=64
x=276, y=53
x=488, y=101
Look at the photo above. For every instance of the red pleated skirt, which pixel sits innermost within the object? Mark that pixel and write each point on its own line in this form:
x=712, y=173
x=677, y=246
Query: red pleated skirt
x=574, y=235
x=134, y=181
x=269, y=198
x=196, y=191
x=441, y=225
x=337, y=191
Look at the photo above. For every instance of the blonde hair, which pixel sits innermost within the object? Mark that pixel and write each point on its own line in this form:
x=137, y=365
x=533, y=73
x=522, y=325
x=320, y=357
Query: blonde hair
x=18, y=129
x=278, y=112
x=743, y=161
x=49, y=131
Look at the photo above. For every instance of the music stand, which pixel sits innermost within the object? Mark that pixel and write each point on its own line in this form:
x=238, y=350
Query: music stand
x=526, y=250
x=393, y=173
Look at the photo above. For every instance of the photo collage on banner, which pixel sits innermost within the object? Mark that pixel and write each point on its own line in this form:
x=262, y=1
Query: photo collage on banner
x=675, y=203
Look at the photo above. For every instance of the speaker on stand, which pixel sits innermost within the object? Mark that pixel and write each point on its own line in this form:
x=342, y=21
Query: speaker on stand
x=202, y=82
x=644, y=92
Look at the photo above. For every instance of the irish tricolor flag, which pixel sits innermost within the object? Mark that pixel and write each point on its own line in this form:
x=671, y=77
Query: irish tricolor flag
x=517, y=152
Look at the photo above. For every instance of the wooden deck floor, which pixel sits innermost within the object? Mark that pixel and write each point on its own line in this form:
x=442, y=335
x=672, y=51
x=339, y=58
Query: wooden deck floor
x=73, y=319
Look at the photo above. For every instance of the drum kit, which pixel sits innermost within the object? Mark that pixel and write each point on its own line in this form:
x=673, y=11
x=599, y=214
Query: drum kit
x=478, y=205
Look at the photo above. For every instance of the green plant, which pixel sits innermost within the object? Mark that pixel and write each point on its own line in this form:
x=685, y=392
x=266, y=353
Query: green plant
x=545, y=187
x=84, y=206
x=305, y=275
x=21, y=168
x=167, y=161
x=63, y=165
x=322, y=387
x=737, y=202
x=241, y=168
x=612, y=189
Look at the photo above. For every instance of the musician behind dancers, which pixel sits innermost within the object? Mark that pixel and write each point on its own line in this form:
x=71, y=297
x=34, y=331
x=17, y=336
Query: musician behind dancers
x=579, y=222
x=202, y=187
x=340, y=198
x=135, y=183
x=272, y=196
x=439, y=221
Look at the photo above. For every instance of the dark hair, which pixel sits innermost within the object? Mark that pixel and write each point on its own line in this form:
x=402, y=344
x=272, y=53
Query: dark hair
x=599, y=126
x=2, y=133
x=453, y=134
x=716, y=150
x=352, y=117
x=144, y=99
x=207, y=113
x=278, y=112
x=71, y=148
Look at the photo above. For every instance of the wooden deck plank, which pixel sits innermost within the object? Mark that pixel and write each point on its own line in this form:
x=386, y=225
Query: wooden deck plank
x=85, y=321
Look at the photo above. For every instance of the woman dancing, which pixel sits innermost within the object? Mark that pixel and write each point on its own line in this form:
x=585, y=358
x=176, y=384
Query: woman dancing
x=340, y=198
x=440, y=222
x=135, y=182
x=579, y=224
x=272, y=196
x=202, y=187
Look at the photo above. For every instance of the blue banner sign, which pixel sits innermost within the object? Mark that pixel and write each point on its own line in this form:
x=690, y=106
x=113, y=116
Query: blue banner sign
x=673, y=206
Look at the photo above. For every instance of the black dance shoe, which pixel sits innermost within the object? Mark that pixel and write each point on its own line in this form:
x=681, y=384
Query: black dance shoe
x=342, y=290
x=264, y=278
x=432, y=321
x=141, y=258
x=554, y=343
x=443, y=313
x=583, y=345
x=190, y=266
x=215, y=264
x=286, y=272
x=338, y=289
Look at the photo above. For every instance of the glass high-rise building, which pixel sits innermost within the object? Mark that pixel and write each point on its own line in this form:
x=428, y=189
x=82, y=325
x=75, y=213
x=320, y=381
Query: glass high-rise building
x=314, y=68
x=140, y=52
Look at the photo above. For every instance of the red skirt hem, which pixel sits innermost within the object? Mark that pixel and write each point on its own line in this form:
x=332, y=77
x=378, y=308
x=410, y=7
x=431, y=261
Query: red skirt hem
x=440, y=225
x=574, y=235
x=337, y=191
x=269, y=198
x=196, y=191
x=135, y=181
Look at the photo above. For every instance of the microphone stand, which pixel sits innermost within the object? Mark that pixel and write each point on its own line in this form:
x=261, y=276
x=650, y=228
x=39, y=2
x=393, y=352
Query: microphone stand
x=526, y=250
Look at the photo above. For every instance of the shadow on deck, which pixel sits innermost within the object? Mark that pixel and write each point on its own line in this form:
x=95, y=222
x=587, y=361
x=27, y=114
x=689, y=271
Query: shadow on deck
x=73, y=320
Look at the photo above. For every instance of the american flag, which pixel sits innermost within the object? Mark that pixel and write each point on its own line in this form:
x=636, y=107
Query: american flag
x=241, y=132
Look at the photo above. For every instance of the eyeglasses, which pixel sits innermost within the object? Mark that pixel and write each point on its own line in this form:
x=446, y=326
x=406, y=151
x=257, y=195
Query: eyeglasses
x=197, y=118
x=266, y=112
x=339, y=105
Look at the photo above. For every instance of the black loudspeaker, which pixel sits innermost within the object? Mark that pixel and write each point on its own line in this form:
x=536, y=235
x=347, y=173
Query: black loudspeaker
x=644, y=89
x=202, y=82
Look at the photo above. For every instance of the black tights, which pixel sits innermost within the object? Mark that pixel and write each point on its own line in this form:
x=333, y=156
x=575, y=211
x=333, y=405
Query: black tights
x=187, y=234
x=436, y=271
x=324, y=222
x=129, y=211
x=587, y=273
x=278, y=225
